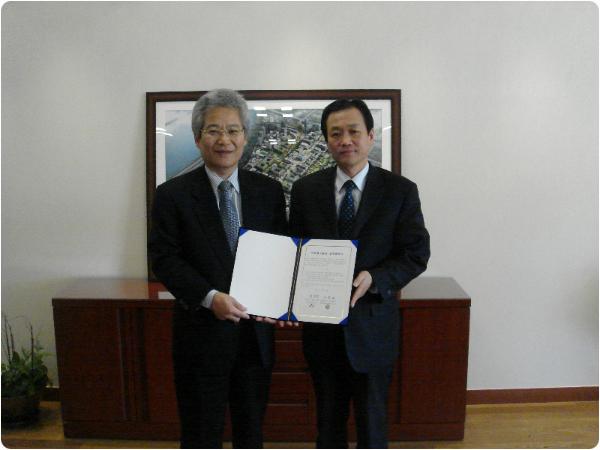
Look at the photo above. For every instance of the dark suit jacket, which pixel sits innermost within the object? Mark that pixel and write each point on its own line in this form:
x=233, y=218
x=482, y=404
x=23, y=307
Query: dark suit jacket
x=393, y=247
x=190, y=255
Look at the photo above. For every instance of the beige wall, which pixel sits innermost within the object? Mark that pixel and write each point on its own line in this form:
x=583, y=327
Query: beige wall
x=499, y=129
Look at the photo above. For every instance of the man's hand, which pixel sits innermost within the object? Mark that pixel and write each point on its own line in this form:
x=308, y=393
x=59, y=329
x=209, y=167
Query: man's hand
x=281, y=323
x=225, y=307
x=265, y=319
x=362, y=283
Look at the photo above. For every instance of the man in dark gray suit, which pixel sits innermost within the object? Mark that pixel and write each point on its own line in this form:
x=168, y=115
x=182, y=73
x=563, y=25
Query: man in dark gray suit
x=220, y=356
x=356, y=200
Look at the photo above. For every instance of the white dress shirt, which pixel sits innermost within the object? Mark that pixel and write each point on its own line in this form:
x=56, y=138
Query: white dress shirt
x=359, y=180
x=215, y=180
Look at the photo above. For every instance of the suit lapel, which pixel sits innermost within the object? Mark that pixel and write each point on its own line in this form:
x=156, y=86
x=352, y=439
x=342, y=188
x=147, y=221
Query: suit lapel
x=372, y=195
x=251, y=200
x=208, y=215
x=325, y=199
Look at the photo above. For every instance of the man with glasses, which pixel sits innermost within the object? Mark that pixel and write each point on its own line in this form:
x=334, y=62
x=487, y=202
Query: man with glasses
x=356, y=200
x=221, y=356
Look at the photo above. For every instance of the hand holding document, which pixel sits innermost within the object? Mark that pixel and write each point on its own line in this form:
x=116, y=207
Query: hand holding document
x=225, y=307
x=286, y=278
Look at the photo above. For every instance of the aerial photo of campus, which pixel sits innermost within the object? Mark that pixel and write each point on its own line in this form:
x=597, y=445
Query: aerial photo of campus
x=283, y=144
x=286, y=145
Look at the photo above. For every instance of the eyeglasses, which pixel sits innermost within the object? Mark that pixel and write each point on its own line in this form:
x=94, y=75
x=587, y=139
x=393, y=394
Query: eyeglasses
x=231, y=132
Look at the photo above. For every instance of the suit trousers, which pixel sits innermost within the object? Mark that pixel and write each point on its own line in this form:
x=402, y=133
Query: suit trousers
x=203, y=396
x=336, y=383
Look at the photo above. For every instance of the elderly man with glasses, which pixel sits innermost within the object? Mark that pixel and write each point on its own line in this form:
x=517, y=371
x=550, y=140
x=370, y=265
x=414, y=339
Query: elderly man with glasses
x=221, y=356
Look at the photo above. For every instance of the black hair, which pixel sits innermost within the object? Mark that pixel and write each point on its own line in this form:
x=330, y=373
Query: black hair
x=345, y=103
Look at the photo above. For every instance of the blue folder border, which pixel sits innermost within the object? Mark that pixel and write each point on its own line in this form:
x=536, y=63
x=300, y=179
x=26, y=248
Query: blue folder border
x=285, y=317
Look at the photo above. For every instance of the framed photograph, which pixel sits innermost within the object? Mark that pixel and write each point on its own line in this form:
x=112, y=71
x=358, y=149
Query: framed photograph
x=284, y=139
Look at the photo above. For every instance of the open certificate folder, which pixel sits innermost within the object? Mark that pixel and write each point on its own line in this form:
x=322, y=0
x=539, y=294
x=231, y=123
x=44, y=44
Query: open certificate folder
x=287, y=278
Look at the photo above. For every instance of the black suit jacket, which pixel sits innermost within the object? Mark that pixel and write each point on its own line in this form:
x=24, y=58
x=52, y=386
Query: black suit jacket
x=393, y=247
x=190, y=255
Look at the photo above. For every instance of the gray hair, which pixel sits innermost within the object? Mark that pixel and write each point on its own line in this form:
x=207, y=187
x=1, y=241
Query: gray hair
x=225, y=98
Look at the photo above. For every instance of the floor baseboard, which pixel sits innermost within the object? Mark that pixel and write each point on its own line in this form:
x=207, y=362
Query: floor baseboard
x=540, y=395
x=482, y=396
x=51, y=394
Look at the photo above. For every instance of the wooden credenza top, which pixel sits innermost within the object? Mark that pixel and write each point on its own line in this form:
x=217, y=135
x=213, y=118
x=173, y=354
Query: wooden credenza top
x=432, y=292
x=419, y=293
x=111, y=289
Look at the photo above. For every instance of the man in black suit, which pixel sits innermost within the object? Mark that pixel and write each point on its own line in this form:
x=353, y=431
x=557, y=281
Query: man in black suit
x=221, y=357
x=356, y=200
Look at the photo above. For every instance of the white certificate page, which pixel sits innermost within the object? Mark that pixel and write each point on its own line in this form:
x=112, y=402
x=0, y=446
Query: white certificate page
x=324, y=281
x=263, y=272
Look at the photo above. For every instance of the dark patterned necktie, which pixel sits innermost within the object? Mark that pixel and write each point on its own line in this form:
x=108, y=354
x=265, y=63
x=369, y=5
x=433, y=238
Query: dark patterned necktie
x=229, y=215
x=346, y=217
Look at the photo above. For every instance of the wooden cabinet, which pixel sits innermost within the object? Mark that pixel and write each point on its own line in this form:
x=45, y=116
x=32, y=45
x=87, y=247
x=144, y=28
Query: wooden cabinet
x=113, y=342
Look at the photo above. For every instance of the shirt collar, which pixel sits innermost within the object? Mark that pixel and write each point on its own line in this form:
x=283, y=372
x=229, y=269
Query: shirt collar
x=215, y=179
x=359, y=179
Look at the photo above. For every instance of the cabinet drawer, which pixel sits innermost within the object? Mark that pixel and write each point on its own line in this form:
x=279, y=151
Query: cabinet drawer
x=297, y=414
x=289, y=356
x=290, y=388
